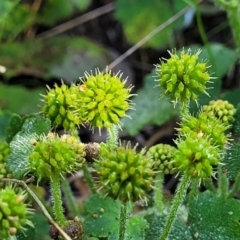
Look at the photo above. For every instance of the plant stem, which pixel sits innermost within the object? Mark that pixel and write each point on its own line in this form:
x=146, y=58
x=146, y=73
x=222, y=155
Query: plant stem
x=88, y=178
x=209, y=185
x=112, y=138
x=72, y=206
x=222, y=182
x=123, y=220
x=57, y=198
x=194, y=189
x=158, y=195
x=177, y=200
x=235, y=187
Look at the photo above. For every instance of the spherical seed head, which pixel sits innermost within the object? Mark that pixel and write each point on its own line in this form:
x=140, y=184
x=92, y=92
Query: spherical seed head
x=221, y=109
x=162, y=155
x=104, y=99
x=124, y=173
x=13, y=211
x=60, y=105
x=4, y=153
x=183, y=77
x=56, y=155
x=207, y=126
x=196, y=156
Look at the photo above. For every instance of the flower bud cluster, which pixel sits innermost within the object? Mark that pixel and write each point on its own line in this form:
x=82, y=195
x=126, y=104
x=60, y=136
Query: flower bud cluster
x=4, y=153
x=183, y=77
x=13, y=212
x=59, y=106
x=124, y=173
x=163, y=157
x=56, y=155
x=221, y=109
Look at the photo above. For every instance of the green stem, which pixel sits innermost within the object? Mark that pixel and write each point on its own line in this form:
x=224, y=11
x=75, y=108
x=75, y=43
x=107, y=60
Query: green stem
x=89, y=179
x=112, y=138
x=204, y=36
x=71, y=203
x=194, y=189
x=57, y=198
x=209, y=185
x=123, y=221
x=158, y=193
x=222, y=182
x=177, y=200
x=235, y=187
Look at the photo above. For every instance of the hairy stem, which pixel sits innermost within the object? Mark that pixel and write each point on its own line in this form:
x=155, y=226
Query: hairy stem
x=112, y=138
x=222, y=182
x=209, y=185
x=194, y=189
x=71, y=203
x=57, y=198
x=158, y=193
x=89, y=179
x=177, y=200
x=235, y=187
x=123, y=220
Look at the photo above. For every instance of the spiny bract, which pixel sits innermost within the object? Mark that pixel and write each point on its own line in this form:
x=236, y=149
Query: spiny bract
x=56, y=155
x=183, y=77
x=124, y=173
x=104, y=99
x=162, y=156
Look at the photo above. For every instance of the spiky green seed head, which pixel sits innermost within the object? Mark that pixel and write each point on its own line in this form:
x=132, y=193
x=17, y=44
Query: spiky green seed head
x=59, y=106
x=103, y=100
x=183, y=77
x=14, y=213
x=4, y=153
x=206, y=126
x=196, y=156
x=124, y=174
x=56, y=155
x=162, y=156
x=221, y=109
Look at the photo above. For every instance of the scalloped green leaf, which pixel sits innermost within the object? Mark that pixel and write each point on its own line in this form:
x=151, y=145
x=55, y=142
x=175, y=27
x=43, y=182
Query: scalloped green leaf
x=214, y=217
x=179, y=230
x=29, y=233
x=133, y=15
x=150, y=108
x=231, y=160
x=21, y=147
x=103, y=216
x=136, y=227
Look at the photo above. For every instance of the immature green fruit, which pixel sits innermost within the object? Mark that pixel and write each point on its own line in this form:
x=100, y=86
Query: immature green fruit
x=56, y=155
x=13, y=212
x=206, y=126
x=196, y=156
x=4, y=153
x=162, y=155
x=59, y=106
x=104, y=100
x=183, y=77
x=124, y=173
x=221, y=109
